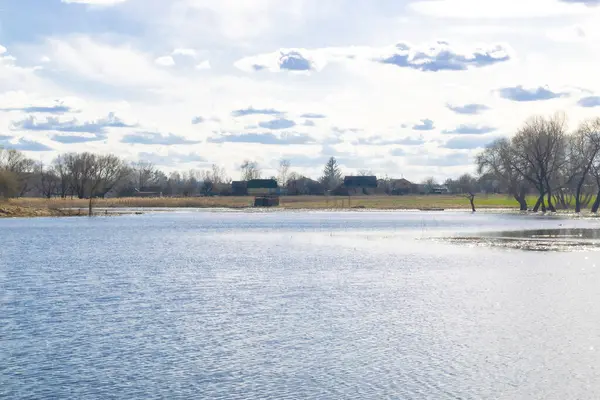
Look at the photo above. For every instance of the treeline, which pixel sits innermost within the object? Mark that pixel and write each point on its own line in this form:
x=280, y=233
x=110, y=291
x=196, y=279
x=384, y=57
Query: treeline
x=88, y=175
x=562, y=167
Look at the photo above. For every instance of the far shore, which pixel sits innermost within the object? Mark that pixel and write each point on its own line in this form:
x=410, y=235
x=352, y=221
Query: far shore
x=410, y=202
x=58, y=207
x=9, y=210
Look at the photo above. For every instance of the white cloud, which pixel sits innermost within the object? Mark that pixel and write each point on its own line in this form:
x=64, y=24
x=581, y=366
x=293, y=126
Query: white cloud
x=425, y=57
x=87, y=58
x=165, y=61
x=184, y=52
x=587, y=31
x=94, y=2
x=204, y=65
x=497, y=9
x=359, y=95
x=2, y=49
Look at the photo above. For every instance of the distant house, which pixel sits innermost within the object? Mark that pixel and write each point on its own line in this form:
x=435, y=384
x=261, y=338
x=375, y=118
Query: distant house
x=305, y=186
x=440, y=189
x=262, y=187
x=356, y=185
x=266, y=192
x=239, y=188
x=146, y=193
x=402, y=187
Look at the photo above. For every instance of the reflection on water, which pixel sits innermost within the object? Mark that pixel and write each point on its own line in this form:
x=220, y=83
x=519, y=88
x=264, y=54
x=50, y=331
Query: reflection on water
x=563, y=239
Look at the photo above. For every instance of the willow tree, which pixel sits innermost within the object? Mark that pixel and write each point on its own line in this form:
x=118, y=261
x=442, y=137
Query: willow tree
x=498, y=160
x=539, y=151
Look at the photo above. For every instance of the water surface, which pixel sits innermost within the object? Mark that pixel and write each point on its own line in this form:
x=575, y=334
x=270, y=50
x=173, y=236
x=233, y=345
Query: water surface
x=238, y=305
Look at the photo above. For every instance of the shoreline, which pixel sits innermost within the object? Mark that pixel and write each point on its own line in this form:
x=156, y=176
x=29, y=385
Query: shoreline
x=13, y=211
x=57, y=207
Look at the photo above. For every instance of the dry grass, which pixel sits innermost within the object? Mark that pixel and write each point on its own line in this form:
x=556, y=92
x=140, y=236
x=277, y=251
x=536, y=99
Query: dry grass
x=9, y=210
x=288, y=202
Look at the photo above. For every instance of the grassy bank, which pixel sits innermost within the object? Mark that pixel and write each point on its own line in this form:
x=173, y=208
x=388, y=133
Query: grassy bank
x=10, y=210
x=287, y=202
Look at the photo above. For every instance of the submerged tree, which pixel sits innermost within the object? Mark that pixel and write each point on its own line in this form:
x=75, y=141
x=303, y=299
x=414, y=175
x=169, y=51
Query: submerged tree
x=467, y=186
x=498, y=160
x=539, y=154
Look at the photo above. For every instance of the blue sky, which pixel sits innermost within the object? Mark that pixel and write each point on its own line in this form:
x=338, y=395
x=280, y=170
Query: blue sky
x=398, y=87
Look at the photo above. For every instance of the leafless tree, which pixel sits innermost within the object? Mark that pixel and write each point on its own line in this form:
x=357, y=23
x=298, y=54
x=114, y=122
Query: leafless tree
x=283, y=171
x=250, y=170
x=429, y=184
x=47, y=181
x=80, y=167
x=65, y=181
x=467, y=186
x=582, y=150
x=105, y=172
x=498, y=160
x=539, y=148
x=144, y=173
x=213, y=179
x=19, y=166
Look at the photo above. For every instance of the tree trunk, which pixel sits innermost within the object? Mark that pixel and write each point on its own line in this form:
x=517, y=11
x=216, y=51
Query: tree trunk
x=522, y=202
x=90, y=207
x=550, y=205
x=540, y=203
x=596, y=203
x=578, y=200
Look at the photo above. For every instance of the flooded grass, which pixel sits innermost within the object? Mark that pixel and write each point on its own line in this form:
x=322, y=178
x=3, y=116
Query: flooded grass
x=568, y=239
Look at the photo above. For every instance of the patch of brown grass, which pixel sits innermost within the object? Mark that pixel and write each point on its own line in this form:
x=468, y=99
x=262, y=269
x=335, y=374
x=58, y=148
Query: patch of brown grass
x=287, y=202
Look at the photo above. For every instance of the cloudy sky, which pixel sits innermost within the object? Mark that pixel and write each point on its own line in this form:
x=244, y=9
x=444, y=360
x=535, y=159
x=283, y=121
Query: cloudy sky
x=398, y=87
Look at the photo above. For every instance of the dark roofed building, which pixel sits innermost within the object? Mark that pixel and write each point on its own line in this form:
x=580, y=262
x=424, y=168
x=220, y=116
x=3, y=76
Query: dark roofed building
x=239, y=188
x=355, y=185
x=353, y=182
x=262, y=184
x=262, y=187
x=403, y=186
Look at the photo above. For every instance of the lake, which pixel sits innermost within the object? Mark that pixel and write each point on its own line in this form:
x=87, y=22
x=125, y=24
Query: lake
x=293, y=305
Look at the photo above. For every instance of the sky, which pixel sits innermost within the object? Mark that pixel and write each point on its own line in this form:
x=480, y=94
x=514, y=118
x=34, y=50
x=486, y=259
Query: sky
x=398, y=87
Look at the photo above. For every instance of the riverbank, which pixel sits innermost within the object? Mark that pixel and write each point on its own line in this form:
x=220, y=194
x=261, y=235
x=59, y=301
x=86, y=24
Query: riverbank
x=8, y=210
x=432, y=202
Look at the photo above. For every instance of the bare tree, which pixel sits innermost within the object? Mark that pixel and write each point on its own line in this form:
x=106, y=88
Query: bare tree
x=365, y=172
x=105, y=172
x=65, y=181
x=47, y=180
x=213, y=178
x=19, y=166
x=498, y=160
x=583, y=148
x=144, y=174
x=250, y=170
x=540, y=153
x=283, y=171
x=429, y=184
x=467, y=186
x=80, y=167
